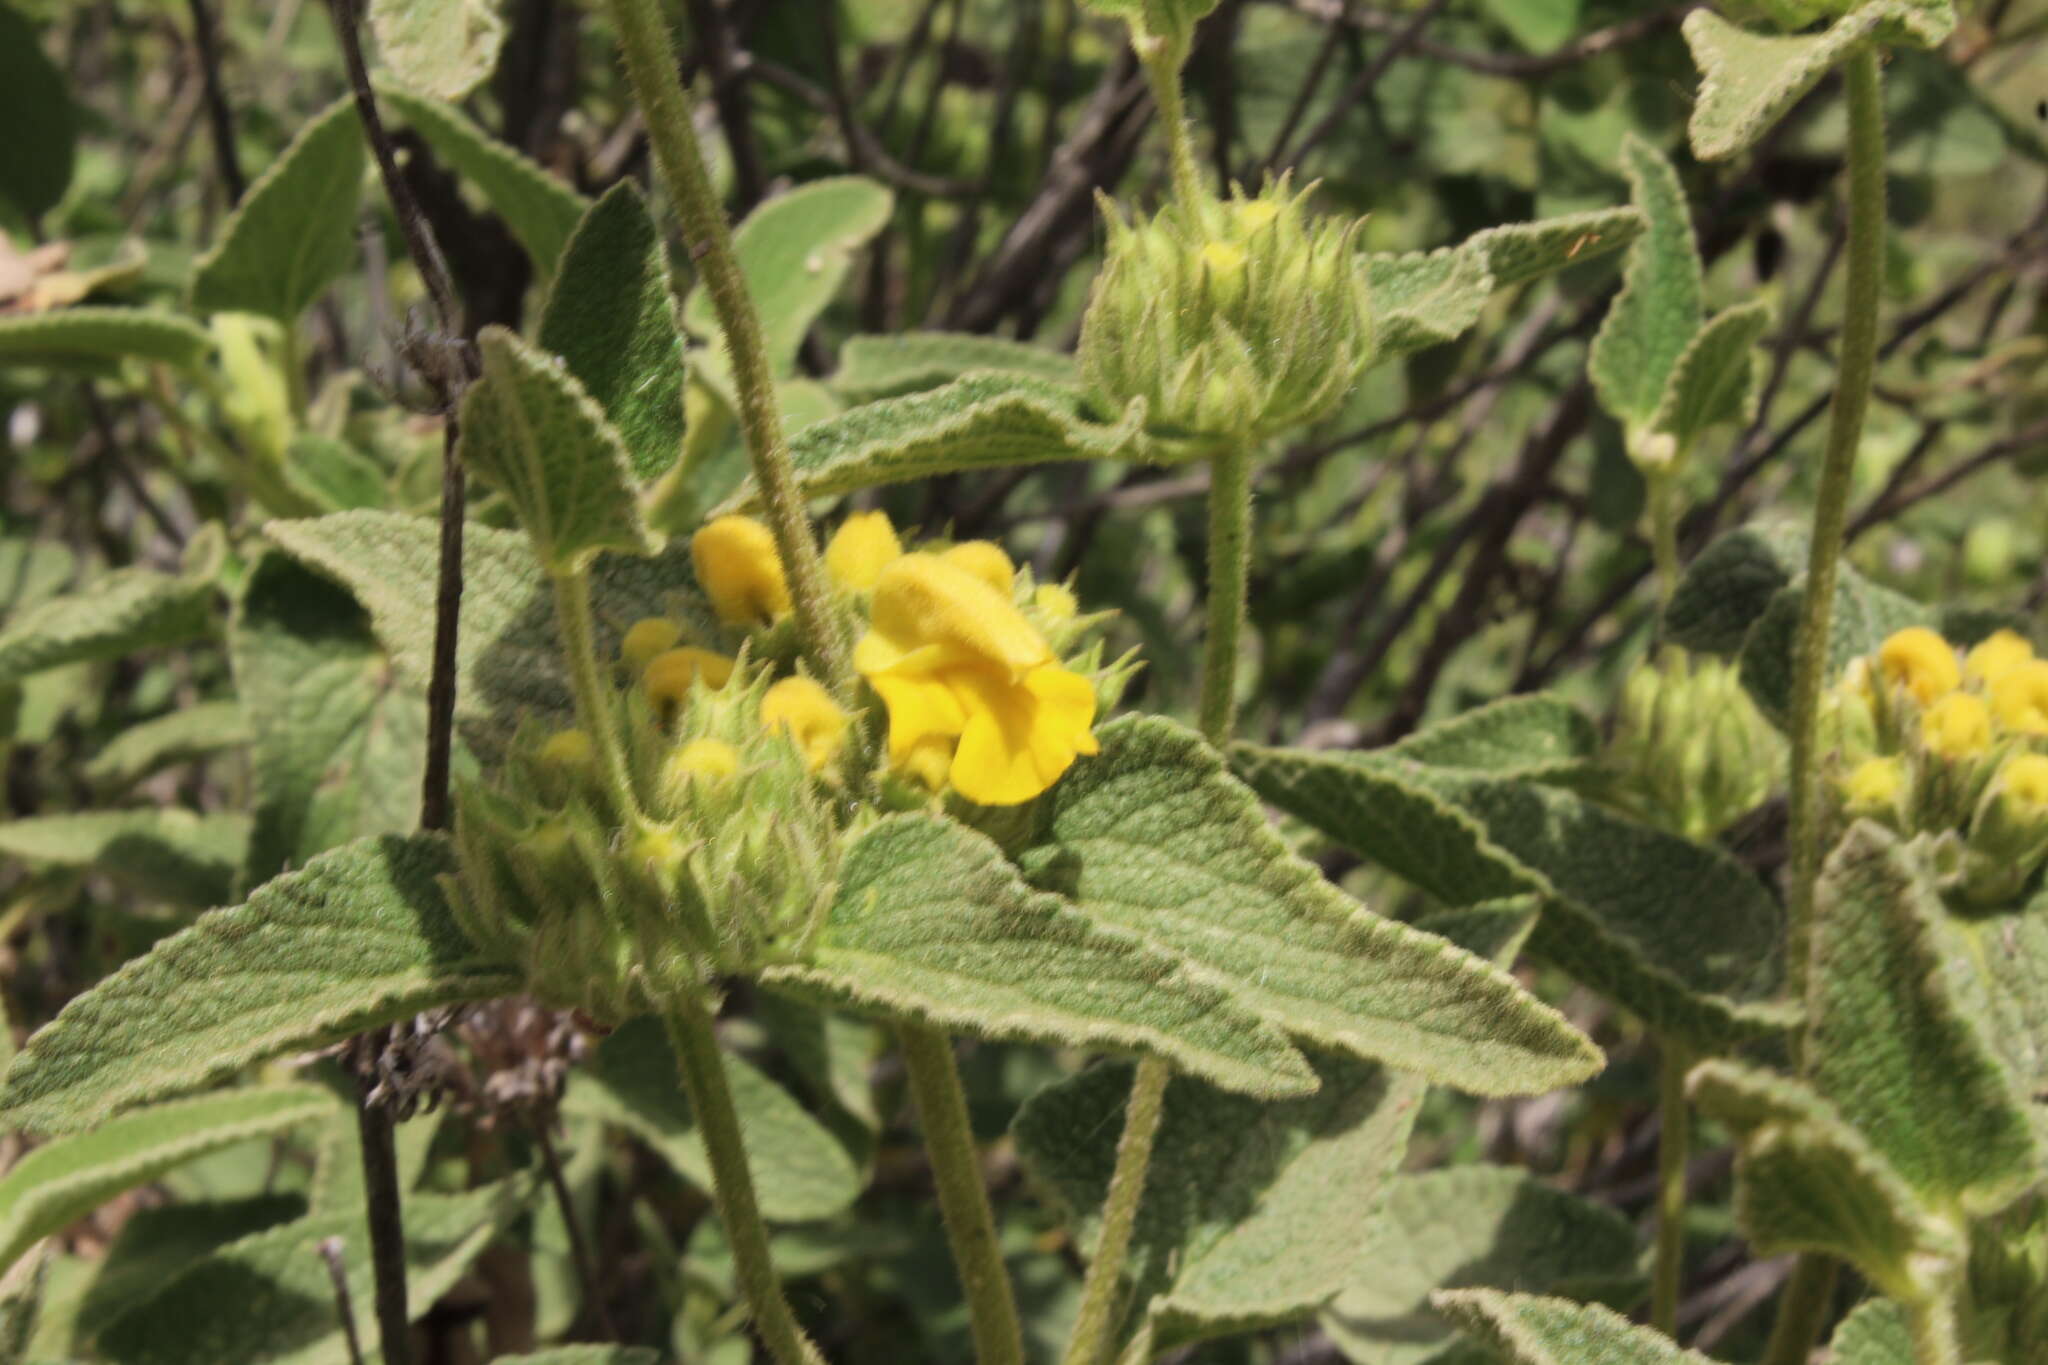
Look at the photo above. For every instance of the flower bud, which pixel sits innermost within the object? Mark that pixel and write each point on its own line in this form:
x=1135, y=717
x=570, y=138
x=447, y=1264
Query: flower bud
x=669, y=676
x=645, y=638
x=860, y=549
x=2019, y=696
x=739, y=571
x=1233, y=321
x=1920, y=661
x=1876, y=787
x=703, y=760
x=1958, y=726
x=812, y=719
x=2008, y=838
x=1995, y=656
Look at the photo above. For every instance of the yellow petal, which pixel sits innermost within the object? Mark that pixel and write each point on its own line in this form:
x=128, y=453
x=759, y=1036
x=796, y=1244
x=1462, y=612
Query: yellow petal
x=919, y=708
x=923, y=600
x=1995, y=656
x=1019, y=739
x=813, y=719
x=669, y=674
x=860, y=549
x=985, y=560
x=2020, y=697
x=1920, y=661
x=647, y=637
x=1956, y=726
x=709, y=759
x=738, y=569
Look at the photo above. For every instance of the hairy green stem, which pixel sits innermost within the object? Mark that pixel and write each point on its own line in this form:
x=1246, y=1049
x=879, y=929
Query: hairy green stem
x=1856, y=361
x=963, y=1198
x=1937, y=1339
x=1674, y=1145
x=732, y=1183
x=1230, y=514
x=1100, y=1293
x=1162, y=61
x=593, y=697
x=1802, y=1310
x=651, y=68
x=1662, y=492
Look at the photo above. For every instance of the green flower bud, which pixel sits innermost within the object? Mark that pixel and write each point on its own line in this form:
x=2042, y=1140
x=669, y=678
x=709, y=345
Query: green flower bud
x=1690, y=752
x=1232, y=320
x=2008, y=839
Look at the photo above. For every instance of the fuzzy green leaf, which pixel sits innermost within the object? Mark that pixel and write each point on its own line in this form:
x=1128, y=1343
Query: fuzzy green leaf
x=1422, y=299
x=62, y=1181
x=540, y=210
x=157, y=1243
x=801, y=1171
x=282, y=1296
x=1998, y=980
x=1748, y=80
x=1680, y=933
x=37, y=155
x=932, y=925
x=1864, y=615
x=1730, y=584
x=97, y=337
x=1877, y=1333
x=586, y=1355
x=1887, y=1043
x=794, y=252
x=1653, y=319
x=1516, y=253
x=339, y=742
x=1474, y=1227
x=1808, y=1181
x=508, y=658
x=1155, y=836
x=1536, y=735
x=1715, y=377
x=294, y=232
x=1252, y=1211
x=873, y=367
x=175, y=737
x=113, y=614
x=984, y=421
x=532, y=430
x=1528, y=1329
x=165, y=853
x=443, y=48
x=356, y=938
x=611, y=317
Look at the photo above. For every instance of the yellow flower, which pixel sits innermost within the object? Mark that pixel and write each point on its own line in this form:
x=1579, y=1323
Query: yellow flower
x=1874, y=784
x=568, y=749
x=670, y=673
x=812, y=718
x=2024, y=780
x=1957, y=726
x=860, y=549
x=738, y=569
x=985, y=560
x=711, y=759
x=2020, y=696
x=1920, y=661
x=1995, y=656
x=1054, y=602
x=950, y=656
x=647, y=637
x=928, y=761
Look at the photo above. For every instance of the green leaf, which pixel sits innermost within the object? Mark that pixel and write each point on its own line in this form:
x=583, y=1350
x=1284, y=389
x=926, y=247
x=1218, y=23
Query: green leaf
x=1680, y=933
x=1730, y=584
x=984, y=421
x=333, y=475
x=1887, y=1042
x=162, y=852
x=61, y=1182
x=794, y=252
x=1516, y=253
x=294, y=232
x=1877, y=1333
x=443, y=48
x=1806, y=1181
x=1528, y=1329
x=1252, y=1210
x=1864, y=615
x=611, y=317
x=357, y=938
x=41, y=145
x=113, y=614
x=1536, y=735
x=872, y=367
x=1715, y=377
x=586, y=1355
x=96, y=337
x=931, y=925
x=1653, y=320
x=508, y=658
x=175, y=737
x=1422, y=299
x=1748, y=80
x=1473, y=1227
x=282, y=1296
x=540, y=210
x=800, y=1170
x=533, y=431
x=1995, y=977
x=157, y=1243
x=1153, y=835
x=339, y=743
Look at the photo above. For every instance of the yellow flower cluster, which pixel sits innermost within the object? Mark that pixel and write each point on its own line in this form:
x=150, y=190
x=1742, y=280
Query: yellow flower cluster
x=955, y=648
x=1940, y=741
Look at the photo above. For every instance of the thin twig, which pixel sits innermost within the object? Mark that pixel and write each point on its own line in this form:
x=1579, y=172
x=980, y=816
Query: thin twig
x=220, y=116
x=337, y=1270
x=579, y=1248
x=1499, y=63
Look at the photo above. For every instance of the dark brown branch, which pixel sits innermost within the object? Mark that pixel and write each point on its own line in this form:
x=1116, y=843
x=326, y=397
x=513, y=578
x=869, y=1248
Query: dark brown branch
x=220, y=117
x=1498, y=63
